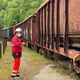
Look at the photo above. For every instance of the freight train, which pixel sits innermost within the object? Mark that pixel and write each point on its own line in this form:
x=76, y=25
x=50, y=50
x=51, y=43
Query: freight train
x=53, y=29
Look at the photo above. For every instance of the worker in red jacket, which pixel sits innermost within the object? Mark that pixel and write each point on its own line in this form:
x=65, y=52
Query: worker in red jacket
x=16, y=52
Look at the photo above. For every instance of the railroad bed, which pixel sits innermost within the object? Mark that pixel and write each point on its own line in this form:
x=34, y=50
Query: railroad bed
x=33, y=67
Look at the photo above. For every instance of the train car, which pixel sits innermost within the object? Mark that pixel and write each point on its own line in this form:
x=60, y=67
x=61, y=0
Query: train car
x=1, y=33
x=56, y=25
x=4, y=35
x=23, y=25
x=32, y=31
x=29, y=32
x=54, y=29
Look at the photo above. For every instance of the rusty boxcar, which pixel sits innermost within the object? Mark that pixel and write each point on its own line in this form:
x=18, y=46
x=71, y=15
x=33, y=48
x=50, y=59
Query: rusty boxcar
x=57, y=29
x=54, y=29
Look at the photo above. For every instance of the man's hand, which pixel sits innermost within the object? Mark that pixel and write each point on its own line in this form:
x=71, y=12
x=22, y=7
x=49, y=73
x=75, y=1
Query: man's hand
x=23, y=43
x=13, y=44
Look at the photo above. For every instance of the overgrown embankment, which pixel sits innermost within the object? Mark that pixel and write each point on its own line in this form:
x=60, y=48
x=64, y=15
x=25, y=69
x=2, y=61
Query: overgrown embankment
x=31, y=64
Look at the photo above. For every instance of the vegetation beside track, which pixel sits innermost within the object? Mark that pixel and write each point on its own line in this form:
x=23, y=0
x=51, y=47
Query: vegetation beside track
x=31, y=64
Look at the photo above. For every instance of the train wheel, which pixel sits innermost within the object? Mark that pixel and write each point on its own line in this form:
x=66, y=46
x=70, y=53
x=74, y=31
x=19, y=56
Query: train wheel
x=56, y=57
x=40, y=50
x=44, y=53
x=37, y=49
x=49, y=55
x=34, y=47
x=29, y=45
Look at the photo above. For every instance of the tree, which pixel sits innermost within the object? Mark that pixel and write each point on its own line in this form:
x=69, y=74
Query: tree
x=14, y=11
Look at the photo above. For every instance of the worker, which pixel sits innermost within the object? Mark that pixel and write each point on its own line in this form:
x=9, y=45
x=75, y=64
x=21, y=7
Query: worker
x=16, y=52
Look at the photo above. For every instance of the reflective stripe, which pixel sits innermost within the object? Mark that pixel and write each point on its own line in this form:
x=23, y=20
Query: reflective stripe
x=14, y=72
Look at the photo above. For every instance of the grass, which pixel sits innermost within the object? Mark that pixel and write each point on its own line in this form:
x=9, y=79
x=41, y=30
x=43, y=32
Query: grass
x=5, y=68
x=31, y=64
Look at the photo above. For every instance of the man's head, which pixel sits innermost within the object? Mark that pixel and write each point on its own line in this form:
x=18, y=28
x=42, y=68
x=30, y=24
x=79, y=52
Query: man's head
x=18, y=32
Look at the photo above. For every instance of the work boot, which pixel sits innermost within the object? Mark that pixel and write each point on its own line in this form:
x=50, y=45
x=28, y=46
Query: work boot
x=17, y=75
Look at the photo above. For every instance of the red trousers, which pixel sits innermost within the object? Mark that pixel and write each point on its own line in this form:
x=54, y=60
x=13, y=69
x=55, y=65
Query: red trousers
x=16, y=64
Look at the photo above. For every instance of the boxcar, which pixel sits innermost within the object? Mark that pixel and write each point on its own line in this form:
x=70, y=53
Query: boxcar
x=54, y=29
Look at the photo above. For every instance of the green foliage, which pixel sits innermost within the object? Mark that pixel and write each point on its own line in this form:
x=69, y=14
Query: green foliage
x=3, y=5
x=14, y=11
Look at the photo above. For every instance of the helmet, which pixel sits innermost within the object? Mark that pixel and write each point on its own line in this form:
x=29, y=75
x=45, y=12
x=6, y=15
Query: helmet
x=18, y=30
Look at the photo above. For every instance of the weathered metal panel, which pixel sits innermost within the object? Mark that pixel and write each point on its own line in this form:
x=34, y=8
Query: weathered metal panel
x=1, y=33
x=52, y=23
x=57, y=25
x=6, y=33
x=38, y=26
x=44, y=26
x=48, y=21
x=34, y=29
x=29, y=30
x=66, y=31
x=11, y=31
x=74, y=16
x=41, y=26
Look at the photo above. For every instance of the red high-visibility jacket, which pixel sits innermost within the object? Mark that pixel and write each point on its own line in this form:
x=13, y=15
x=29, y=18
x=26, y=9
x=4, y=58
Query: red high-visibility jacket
x=16, y=44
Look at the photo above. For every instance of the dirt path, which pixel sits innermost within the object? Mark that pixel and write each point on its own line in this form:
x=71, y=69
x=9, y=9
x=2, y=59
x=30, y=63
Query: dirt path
x=49, y=73
x=33, y=67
